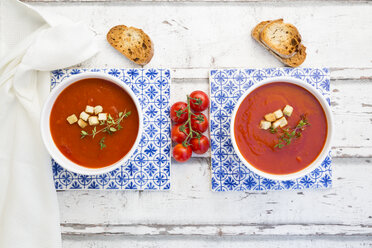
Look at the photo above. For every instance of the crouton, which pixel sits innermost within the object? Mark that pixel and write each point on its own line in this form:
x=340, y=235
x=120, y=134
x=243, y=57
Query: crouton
x=89, y=109
x=98, y=109
x=82, y=123
x=270, y=117
x=278, y=114
x=72, y=119
x=276, y=124
x=84, y=116
x=102, y=116
x=265, y=125
x=288, y=110
x=282, y=122
x=93, y=120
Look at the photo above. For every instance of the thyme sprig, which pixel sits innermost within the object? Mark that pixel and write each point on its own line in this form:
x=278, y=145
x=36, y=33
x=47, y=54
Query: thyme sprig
x=102, y=143
x=288, y=134
x=111, y=125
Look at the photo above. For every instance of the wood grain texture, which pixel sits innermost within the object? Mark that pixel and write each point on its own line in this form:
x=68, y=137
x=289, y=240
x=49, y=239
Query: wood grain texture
x=342, y=73
x=215, y=242
x=191, y=38
x=191, y=209
x=126, y=1
x=240, y=229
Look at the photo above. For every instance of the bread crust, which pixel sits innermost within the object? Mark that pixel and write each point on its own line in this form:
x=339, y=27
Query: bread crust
x=256, y=31
x=295, y=60
x=132, y=42
x=282, y=38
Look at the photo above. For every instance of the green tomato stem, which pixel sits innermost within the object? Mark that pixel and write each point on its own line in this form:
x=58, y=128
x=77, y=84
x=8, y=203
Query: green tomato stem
x=188, y=122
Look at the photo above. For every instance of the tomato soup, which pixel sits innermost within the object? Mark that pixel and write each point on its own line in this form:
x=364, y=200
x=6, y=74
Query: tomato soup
x=258, y=145
x=87, y=151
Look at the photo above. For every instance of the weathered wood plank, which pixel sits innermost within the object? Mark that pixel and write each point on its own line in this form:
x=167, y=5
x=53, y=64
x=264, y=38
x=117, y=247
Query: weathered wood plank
x=190, y=208
x=125, y=1
x=241, y=229
x=215, y=242
x=195, y=37
x=336, y=73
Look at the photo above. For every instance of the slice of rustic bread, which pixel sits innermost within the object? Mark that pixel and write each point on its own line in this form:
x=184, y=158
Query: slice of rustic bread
x=282, y=38
x=132, y=42
x=256, y=31
x=295, y=60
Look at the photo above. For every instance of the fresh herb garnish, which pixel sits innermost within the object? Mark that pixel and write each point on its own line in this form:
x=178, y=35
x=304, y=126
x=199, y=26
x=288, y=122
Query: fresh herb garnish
x=272, y=130
x=102, y=143
x=110, y=126
x=83, y=134
x=288, y=134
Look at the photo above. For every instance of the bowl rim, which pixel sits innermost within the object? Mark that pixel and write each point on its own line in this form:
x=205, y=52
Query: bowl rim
x=47, y=136
x=327, y=145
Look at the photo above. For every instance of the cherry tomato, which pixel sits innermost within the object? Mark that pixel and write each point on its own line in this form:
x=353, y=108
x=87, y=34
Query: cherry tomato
x=199, y=122
x=177, y=134
x=201, y=145
x=178, y=112
x=182, y=153
x=200, y=101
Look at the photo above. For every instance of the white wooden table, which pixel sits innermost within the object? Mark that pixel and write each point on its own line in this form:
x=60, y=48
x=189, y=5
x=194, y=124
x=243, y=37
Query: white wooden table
x=192, y=37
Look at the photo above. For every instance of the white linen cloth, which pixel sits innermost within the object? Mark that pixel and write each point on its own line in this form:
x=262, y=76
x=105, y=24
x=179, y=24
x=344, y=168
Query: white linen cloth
x=32, y=44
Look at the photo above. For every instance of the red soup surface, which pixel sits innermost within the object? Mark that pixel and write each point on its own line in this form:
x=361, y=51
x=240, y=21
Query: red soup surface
x=87, y=151
x=258, y=145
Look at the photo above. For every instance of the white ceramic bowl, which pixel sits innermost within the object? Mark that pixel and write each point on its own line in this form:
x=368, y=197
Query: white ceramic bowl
x=327, y=145
x=47, y=137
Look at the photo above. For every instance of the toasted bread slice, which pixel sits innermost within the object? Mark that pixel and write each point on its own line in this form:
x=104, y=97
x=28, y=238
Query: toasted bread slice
x=297, y=59
x=256, y=31
x=282, y=38
x=132, y=42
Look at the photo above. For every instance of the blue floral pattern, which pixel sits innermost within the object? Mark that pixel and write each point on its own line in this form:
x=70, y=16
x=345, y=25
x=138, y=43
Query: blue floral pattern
x=149, y=166
x=228, y=173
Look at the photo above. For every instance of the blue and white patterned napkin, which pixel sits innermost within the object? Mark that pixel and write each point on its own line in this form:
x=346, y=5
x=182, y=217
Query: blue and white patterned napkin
x=228, y=173
x=149, y=166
